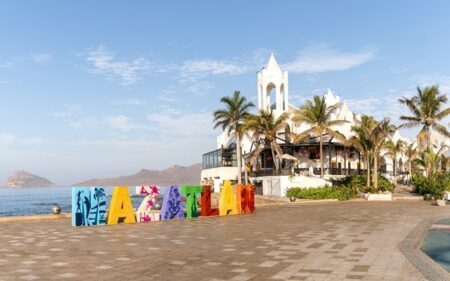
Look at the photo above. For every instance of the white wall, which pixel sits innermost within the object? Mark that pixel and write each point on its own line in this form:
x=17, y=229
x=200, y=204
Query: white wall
x=277, y=185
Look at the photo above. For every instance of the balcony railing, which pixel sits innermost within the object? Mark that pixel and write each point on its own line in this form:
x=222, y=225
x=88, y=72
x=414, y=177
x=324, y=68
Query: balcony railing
x=306, y=172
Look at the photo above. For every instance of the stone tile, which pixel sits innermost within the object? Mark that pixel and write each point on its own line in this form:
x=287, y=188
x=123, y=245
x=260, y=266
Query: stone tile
x=327, y=241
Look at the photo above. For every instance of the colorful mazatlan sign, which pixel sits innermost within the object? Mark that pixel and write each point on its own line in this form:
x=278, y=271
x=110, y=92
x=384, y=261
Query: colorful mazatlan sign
x=89, y=204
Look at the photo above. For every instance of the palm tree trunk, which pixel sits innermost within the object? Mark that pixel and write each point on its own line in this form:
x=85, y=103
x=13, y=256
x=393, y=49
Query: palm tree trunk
x=410, y=172
x=238, y=155
x=394, y=171
x=321, y=157
x=375, y=171
x=368, y=170
x=273, y=157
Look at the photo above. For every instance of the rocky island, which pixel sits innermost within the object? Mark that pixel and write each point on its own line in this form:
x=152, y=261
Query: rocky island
x=26, y=179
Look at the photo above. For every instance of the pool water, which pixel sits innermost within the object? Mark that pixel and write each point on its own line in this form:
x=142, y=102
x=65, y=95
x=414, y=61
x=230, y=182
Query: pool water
x=437, y=244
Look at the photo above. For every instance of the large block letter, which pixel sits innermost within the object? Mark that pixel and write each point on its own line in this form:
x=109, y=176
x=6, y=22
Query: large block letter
x=144, y=213
x=171, y=205
x=97, y=214
x=88, y=206
x=227, y=202
x=81, y=205
x=205, y=203
x=191, y=199
x=245, y=198
x=121, y=209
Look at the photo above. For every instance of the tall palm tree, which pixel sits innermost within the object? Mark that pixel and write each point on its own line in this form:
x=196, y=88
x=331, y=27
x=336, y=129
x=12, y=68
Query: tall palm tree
x=362, y=140
x=411, y=152
x=394, y=149
x=426, y=111
x=231, y=119
x=378, y=135
x=264, y=125
x=318, y=115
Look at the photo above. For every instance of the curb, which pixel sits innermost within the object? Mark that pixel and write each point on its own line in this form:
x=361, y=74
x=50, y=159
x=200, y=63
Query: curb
x=35, y=218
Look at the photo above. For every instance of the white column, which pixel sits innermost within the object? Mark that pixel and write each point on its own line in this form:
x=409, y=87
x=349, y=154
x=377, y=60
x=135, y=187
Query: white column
x=278, y=98
x=286, y=91
x=259, y=96
x=263, y=97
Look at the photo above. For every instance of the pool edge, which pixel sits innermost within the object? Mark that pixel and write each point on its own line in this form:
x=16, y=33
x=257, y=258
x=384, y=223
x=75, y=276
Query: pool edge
x=410, y=247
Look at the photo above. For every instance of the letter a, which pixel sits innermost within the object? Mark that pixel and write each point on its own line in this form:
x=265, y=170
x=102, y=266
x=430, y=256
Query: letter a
x=227, y=202
x=120, y=209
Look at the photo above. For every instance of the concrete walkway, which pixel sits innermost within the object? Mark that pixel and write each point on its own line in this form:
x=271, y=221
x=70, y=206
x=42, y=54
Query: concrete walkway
x=355, y=240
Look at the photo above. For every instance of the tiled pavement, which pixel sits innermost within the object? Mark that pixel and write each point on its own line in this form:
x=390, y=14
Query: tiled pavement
x=355, y=240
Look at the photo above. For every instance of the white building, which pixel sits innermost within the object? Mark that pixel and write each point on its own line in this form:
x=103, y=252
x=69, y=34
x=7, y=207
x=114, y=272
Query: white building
x=273, y=94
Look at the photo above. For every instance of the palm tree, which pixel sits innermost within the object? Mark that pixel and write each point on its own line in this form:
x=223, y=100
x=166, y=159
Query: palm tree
x=426, y=112
x=412, y=153
x=318, y=115
x=393, y=149
x=378, y=135
x=362, y=140
x=428, y=161
x=231, y=119
x=264, y=125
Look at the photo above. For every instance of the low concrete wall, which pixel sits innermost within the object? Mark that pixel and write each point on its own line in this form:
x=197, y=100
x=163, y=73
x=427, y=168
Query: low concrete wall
x=277, y=185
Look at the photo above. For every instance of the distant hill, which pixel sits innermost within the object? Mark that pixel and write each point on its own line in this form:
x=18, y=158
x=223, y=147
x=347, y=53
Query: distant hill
x=173, y=175
x=26, y=179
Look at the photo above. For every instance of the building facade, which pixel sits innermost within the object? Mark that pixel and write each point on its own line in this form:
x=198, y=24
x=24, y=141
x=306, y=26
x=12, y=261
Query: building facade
x=302, y=164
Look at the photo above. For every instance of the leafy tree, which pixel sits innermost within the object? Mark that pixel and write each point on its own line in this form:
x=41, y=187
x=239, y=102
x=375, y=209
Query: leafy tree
x=231, y=118
x=264, y=125
x=378, y=136
x=394, y=149
x=426, y=111
x=362, y=140
x=411, y=152
x=319, y=116
x=430, y=161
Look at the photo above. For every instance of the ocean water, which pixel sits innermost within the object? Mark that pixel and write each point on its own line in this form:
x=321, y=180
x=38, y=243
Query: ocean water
x=39, y=200
x=437, y=245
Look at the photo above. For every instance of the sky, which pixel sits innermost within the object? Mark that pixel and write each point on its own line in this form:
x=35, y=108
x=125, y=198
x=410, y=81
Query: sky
x=94, y=89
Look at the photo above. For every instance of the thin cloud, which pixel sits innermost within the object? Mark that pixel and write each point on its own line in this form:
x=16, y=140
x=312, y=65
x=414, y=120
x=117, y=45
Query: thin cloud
x=196, y=69
x=130, y=102
x=128, y=72
x=7, y=139
x=193, y=70
x=183, y=125
x=321, y=58
x=6, y=65
x=67, y=111
x=118, y=122
x=42, y=59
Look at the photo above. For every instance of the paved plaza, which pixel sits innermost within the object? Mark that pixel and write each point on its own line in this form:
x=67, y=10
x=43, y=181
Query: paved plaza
x=355, y=240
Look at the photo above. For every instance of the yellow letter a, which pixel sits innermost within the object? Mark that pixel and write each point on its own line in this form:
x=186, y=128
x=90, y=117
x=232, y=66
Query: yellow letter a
x=120, y=209
x=227, y=202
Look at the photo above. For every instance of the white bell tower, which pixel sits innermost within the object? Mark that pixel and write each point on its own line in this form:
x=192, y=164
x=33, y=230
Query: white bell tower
x=272, y=79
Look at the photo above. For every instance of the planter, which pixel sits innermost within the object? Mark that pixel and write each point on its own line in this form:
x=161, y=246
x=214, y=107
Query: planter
x=379, y=197
x=292, y=199
x=56, y=209
x=440, y=202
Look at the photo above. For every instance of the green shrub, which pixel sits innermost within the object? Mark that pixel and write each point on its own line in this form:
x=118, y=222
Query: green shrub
x=340, y=193
x=358, y=182
x=434, y=185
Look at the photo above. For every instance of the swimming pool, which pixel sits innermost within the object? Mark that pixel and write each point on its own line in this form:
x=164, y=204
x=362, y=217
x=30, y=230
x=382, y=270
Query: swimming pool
x=437, y=243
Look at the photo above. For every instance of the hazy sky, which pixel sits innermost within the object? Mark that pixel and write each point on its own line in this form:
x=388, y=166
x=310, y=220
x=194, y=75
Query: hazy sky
x=105, y=88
